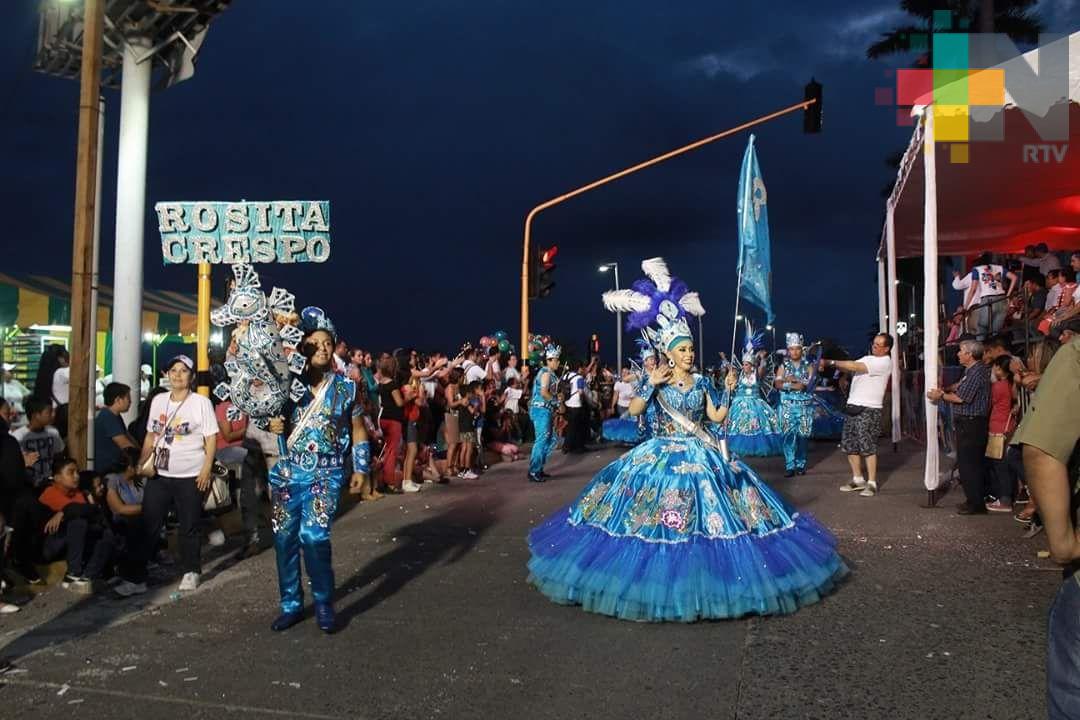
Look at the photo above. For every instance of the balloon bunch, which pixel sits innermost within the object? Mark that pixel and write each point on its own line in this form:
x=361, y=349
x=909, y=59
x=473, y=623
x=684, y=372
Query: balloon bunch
x=537, y=343
x=498, y=339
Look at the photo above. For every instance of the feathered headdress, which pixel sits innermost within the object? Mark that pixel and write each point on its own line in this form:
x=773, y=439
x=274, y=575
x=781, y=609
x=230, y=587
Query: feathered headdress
x=552, y=352
x=658, y=299
x=752, y=343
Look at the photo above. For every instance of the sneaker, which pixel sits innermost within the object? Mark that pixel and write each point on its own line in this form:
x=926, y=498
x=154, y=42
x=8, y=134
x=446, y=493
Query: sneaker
x=30, y=574
x=870, y=490
x=468, y=475
x=189, y=582
x=853, y=486
x=999, y=506
x=217, y=538
x=75, y=582
x=533, y=477
x=8, y=608
x=127, y=589
x=410, y=487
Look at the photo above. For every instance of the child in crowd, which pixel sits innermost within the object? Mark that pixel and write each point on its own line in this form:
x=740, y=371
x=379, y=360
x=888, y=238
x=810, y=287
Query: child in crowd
x=77, y=528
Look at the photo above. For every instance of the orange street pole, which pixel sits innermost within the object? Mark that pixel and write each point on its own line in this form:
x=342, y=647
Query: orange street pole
x=202, y=360
x=615, y=176
x=82, y=266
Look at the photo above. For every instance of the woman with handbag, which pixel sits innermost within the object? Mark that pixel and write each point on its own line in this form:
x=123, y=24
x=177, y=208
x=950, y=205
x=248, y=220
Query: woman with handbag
x=178, y=458
x=1002, y=426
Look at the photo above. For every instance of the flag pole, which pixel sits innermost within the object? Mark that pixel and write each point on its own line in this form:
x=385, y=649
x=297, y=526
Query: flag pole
x=738, y=295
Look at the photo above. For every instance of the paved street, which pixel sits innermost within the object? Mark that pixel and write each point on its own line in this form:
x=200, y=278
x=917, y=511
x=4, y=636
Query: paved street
x=943, y=617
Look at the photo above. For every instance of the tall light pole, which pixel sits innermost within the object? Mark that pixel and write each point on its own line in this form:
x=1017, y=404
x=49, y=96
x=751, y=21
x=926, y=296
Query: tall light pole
x=618, y=316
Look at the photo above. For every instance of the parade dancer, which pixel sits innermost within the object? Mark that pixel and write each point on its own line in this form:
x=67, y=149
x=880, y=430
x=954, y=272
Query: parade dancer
x=753, y=428
x=306, y=482
x=793, y=379
x=673, y=530
x=542, y=411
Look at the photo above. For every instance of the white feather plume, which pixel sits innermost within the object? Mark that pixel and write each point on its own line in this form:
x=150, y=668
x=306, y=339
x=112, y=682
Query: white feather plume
x=626, y=301
x=691, y=303
x=657, y=271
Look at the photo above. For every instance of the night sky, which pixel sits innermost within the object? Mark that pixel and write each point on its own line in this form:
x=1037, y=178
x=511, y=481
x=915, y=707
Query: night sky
x=433, y=127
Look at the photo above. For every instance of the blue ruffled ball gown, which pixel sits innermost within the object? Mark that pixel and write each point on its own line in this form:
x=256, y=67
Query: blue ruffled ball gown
x=670, y=531
x=753, y=429
x=628, y=430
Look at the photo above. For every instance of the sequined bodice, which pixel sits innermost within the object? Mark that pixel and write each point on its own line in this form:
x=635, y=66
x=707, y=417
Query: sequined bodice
x=803, y=372
x=688, y=403
x=748, y=385
x=538, y=399
x=325, y=439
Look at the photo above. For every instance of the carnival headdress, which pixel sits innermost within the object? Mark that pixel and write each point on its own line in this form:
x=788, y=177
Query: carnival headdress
x=552, y=352
x=658, y=299
x=752, y=343
x=314, y=318
x=794, y=340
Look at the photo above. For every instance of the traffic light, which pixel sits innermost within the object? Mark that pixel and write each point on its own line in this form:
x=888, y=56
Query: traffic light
x=541, y=270
x=812, y=113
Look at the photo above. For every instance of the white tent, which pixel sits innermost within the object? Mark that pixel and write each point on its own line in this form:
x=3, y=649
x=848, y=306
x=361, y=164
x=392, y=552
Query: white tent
x=1007, y=195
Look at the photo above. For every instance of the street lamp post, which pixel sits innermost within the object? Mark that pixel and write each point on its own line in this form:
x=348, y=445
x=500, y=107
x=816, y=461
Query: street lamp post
x=618, y=315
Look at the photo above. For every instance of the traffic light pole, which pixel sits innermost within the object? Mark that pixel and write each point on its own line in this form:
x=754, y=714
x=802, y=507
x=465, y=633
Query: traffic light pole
x=615, y=176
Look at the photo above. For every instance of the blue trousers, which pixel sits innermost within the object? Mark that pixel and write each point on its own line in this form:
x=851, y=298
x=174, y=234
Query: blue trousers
x=797, y=424
x=303, y=511
x=1063, y=657
x=545, y=438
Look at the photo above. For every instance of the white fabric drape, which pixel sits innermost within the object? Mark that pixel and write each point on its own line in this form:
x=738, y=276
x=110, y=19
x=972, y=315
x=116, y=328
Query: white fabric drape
x=930, y=302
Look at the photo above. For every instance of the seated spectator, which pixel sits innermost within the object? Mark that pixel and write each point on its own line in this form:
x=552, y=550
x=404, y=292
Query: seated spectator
x=1027, y=322
x=39, y=440
x=124, y=496
x=18, y=504
x=76, y=530
x=111, y=438
x=500, y=437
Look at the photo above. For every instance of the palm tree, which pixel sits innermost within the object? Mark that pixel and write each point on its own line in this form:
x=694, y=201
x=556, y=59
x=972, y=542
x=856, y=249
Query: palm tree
x=1015, y=18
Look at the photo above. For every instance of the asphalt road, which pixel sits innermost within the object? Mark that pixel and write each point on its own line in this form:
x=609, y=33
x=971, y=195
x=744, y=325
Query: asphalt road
x=942, y=617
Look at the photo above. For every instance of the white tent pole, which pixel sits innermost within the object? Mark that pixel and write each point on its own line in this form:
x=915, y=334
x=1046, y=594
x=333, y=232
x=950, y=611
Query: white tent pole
x=883, y=323
x=890, y=244
x=930, y=301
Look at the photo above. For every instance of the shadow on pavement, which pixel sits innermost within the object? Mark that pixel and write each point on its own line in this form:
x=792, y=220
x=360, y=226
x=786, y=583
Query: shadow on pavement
x=445, y=537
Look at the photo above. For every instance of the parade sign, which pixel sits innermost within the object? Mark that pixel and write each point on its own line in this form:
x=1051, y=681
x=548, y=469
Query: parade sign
x=244, y=232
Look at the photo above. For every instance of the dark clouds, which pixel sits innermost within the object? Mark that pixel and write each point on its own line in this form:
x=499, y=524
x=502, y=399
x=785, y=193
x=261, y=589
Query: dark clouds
x=433, y=127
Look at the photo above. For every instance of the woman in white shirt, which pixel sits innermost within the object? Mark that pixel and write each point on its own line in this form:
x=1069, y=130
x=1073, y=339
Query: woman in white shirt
x=181, y=436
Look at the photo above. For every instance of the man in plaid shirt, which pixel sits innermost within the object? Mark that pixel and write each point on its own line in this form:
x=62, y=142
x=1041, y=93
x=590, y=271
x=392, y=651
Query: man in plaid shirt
x=971, y=409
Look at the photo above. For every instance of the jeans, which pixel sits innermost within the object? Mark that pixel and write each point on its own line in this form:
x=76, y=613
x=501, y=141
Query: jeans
x=1063, y=653
x=159, y=494
x=87, y=547
x=990, y=318
x=1002, y=480
x=235, y=458
x=971, y=436
x=544, y=441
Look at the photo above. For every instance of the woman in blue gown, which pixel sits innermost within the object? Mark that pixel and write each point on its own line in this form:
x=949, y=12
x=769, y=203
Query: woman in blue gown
x=753, y=428
x=674, y=530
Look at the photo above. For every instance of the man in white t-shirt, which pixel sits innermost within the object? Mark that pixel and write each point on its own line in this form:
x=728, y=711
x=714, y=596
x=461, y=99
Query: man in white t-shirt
x=985, y=294
x=862, y=426
x=473, y=372
x=622, y=393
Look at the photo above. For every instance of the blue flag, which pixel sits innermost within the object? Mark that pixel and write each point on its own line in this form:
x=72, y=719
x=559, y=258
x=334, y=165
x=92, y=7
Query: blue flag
x=755, y=260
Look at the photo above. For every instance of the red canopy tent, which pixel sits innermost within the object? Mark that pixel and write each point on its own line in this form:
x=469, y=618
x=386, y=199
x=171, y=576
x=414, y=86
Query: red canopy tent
x=1018, y=191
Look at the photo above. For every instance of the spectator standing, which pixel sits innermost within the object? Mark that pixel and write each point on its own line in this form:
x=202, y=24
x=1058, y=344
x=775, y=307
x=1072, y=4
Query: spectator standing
x=576, y=410
x=53, y=381
x=986, y=294
x=232, y=452
x=181, y=437
x=623, y=393
x=971, y=406
x=455, y=415
x=1035, y=290
x=473, y=372
x=1041, y=258
x=391, y=421
x=41, y=443
x=862, y=422
x=111, y=438
x=511, y=372
x=1001, y=426
x=16, y=394
x=1048, y=436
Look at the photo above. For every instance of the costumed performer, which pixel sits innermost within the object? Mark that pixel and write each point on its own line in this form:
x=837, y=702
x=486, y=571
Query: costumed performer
x=793, y=379
x=674, y=530
x=752, y=428
x=542, y=413
x=306, y=482
x=632, y=430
